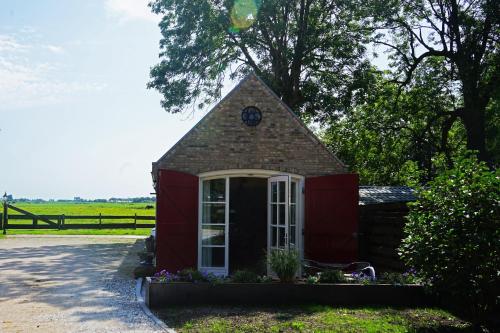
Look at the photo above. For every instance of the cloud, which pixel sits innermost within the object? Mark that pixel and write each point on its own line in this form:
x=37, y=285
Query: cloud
x=26, y=81
x=10, y=44
x=54, y=49
x=131, y=10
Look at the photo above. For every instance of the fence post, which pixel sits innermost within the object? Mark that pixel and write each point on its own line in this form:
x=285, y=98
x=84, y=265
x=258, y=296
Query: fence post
x=5, y=217
x=35, y=222
x=63, y=220
x=59, y=223
x=135, y=221
x=100, y=220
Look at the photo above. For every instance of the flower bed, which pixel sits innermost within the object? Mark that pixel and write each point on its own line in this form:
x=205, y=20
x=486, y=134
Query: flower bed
x=158, y=294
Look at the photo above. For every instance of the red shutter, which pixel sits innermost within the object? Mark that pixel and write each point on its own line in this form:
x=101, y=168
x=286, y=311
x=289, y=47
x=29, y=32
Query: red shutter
x=331, y=218
x=177, y=221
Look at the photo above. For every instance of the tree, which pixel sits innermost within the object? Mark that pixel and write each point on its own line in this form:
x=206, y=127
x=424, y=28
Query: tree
x=384, y=141
x=309, y=51
x=453, y=235
x=466, y=34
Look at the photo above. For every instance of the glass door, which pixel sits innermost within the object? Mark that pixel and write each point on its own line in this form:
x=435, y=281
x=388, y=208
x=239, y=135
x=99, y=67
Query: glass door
x=213, y=229
x=279, y=213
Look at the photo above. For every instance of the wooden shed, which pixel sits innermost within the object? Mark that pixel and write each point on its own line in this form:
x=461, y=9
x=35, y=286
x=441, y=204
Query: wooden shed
x=250, y=177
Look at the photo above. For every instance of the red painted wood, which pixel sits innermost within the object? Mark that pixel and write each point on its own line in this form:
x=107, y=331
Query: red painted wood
x=331, y=218
x=177, y=221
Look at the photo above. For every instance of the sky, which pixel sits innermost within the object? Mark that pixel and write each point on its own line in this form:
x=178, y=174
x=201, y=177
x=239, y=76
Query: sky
x=76, y=118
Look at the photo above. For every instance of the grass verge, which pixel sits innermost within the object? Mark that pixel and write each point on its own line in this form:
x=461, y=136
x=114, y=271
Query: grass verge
x=57, y=208
x=136, y=232
x=311, y=319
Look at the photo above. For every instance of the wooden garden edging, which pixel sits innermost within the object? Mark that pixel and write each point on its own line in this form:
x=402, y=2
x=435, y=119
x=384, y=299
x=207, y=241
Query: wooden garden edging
x=158, y=295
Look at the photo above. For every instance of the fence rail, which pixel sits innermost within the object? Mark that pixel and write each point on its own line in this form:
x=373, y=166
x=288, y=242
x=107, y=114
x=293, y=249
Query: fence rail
x=59, y=222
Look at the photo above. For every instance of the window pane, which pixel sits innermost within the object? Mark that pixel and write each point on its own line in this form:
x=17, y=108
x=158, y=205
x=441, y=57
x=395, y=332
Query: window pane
x=274, y=192
x=293, y=209
x=213, y=235
x=293, y=192
x=274, y=214
x=281, y=216
x=212, y=256
x=282, y=191
x=292, y=236
x=214, y=190
x=214, y=213
x=274, y=236
x=281, y=237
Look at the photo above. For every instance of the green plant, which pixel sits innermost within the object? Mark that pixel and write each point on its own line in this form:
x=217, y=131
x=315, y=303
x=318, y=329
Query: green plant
x=332, y=276
x=285, y=263
x=193, y=275
x=312, y=279
x=245, y=276
x=265, y=279
x=397, y=278
x=453, y=235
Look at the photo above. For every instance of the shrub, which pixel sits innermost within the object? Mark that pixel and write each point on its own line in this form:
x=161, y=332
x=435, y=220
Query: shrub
x=264, y=279
x=396, y=278
x=453, y=235
x=245, y=276
x=332, y=276
x=312, y=279
x=285, y=263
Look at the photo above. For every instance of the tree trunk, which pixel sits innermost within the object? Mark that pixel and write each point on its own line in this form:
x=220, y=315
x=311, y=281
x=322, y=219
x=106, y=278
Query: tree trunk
x=474, y=122
x=474, y=111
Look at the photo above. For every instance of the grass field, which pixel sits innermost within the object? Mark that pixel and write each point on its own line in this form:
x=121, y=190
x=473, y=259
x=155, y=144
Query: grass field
x=56, y=208
x=311, y=318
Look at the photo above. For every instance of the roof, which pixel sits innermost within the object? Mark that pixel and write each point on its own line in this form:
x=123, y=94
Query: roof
x=371, y=195
x=308, y=133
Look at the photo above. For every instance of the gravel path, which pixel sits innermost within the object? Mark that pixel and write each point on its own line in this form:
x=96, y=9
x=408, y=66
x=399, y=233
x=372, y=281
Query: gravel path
x=70, y=284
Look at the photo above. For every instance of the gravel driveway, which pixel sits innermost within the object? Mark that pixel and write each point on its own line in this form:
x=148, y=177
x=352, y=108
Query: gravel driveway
x=70, y=284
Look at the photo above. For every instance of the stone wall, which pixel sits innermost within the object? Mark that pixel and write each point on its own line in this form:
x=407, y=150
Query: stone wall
x=221, y=141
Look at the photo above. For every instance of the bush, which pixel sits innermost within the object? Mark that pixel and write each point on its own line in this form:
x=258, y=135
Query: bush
x=285, y=263
x=396, y=278
x=332, y=276
x=312, y=279
x=453, y=235
x=244, y=276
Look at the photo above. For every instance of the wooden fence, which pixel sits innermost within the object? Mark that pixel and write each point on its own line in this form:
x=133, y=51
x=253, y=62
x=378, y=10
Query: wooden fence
x=64, y=222
x=380, y=234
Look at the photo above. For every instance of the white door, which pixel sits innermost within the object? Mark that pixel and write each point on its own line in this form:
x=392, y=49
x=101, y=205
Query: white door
x=282, y=213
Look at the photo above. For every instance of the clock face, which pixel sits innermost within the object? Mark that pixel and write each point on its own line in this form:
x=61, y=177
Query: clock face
x=251, y=116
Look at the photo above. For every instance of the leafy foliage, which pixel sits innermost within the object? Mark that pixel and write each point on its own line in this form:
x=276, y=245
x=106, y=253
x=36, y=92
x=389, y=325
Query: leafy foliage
x=453, y=234
x=332, y=276
x=186, y=275
x=392, y=137
x=304, y=50
x=285, y=263
x=397, y=278
x=464, y=34
x=244, y=276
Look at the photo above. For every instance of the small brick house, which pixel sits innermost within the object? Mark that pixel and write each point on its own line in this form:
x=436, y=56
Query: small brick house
x=250, y=177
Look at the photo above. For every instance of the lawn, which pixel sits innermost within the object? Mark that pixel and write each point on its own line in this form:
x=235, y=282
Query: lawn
x=311, y=319
x=56, y=208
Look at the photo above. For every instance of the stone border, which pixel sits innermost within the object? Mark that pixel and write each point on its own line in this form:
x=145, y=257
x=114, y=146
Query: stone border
x=158, y=295
x=140, y=299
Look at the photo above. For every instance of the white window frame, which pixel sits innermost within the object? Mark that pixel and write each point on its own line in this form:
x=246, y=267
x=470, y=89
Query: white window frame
x=215, y=270
x=251, y=173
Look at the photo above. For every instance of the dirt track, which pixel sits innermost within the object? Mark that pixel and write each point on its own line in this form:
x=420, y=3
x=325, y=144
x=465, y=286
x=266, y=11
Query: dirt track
x=69, y=284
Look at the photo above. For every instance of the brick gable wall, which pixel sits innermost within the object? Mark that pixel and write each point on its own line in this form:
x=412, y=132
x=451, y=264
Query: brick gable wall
x=221, y=141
